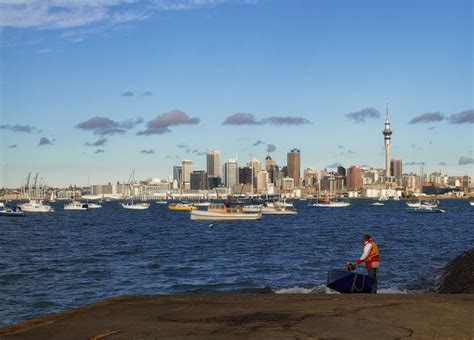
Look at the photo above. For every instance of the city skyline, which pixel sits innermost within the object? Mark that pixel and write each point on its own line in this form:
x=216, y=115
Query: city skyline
x=78, y=107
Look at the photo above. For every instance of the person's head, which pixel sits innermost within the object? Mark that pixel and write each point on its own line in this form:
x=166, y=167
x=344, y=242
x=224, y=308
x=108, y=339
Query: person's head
x=366, y=238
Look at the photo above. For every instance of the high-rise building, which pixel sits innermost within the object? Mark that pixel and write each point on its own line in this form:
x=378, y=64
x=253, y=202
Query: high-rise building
x=245, y=175
x=214, y=182
x=177, y=174
x=199, y=180
x=396, y=169
x=341, y=170
x=387, y=137
x=354, y=178
x=231, y=173
x=293, y=163
x=255, y=164
x=186, y=169
x=213, y=163
x=269, y=163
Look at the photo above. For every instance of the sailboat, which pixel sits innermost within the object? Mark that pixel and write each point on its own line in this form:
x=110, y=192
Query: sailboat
x=131, y=205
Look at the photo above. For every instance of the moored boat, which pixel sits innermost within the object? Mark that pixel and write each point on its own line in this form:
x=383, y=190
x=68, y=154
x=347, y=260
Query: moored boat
x=135, y=206
x=418, y=204
x=76, y=205
x=427, y=209
x=35, y=206
x=94, y=205
x=181, y=206
x=377, y=204
x=11, y=212
x=471, y=203
x=326, y=202
x=223, y=212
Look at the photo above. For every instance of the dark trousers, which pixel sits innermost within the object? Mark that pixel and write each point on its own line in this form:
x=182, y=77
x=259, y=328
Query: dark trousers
x=372, y=272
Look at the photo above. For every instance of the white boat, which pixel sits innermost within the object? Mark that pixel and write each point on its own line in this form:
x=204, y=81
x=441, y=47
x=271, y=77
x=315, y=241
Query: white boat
x=35, y=206
x=52, y=197
x=278, y=208
x=91, y=197
x=75, y=205
x=377, y=204
x=326, y=203
x=161, y=202
x=135, y=206
x=427, y=209
x=223, y=212
x=10, y=212
x=252, y=208
x=202, y=204
x=94, y=205
x=471, y=203
x=422, y=203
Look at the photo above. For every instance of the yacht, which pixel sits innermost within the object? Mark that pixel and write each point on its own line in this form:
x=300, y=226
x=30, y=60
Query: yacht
x=471, y=203
x=35, y=206
x=377, y=204
x=76, y=205
x=327, y=203
x=278, y=208
x=135, y=206
x=420, y=203
x=223, y=212
x=427, y=209
x=181, y=206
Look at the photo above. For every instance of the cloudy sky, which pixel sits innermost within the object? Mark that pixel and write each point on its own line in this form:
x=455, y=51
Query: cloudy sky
x=97, y=88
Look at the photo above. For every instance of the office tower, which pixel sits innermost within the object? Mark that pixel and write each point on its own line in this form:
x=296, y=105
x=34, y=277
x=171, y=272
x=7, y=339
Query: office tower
x=396, y=169
x=231, y=173
x=186, y=169
x=269, y=163
x=213, y=163
x=199, y=180
x=214, y=182
x=341, y=170
x=354, y=178
x=177, y=174
x=387, y=137
x=293, y=164
x=245, y=175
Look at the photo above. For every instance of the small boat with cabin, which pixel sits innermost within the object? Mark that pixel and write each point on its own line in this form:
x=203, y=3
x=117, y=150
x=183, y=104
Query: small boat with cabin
x=224, y=212
x=76, y=205
x=181, y=206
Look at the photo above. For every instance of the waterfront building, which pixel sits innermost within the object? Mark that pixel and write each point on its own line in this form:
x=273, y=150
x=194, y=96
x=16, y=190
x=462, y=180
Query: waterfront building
x=354, y=178
x=287, y=184
x=293, y=164
x=199, y=180
x=231, y=173
x=213, y=163
x=269, y=163
x=186, y=169
x=261, y=181
x=341, y=171
x=310, y=176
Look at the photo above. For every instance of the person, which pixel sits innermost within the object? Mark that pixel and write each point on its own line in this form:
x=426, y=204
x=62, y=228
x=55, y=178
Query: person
x=371, y=257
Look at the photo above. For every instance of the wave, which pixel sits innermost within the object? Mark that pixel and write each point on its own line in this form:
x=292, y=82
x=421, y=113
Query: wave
x=321, y=289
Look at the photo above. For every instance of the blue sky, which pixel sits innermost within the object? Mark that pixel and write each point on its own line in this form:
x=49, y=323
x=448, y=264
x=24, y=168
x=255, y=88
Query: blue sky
x=152, y=82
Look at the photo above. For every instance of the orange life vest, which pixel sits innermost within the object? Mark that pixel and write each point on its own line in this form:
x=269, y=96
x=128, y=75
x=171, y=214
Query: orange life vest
x=372, y=261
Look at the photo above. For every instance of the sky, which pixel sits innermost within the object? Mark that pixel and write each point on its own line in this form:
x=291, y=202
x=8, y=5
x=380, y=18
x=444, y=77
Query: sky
x=93, y=89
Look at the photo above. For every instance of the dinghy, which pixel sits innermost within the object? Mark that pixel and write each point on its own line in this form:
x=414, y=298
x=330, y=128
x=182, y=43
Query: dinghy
x=344, y=281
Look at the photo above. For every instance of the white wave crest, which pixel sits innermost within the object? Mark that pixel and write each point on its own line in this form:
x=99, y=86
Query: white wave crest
x=302, y=290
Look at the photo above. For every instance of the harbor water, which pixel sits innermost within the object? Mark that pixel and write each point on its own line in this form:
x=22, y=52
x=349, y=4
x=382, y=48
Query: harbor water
x=55, y=261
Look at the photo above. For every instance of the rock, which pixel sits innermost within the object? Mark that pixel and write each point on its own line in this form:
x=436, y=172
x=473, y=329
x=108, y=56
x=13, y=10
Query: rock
x=458, y=275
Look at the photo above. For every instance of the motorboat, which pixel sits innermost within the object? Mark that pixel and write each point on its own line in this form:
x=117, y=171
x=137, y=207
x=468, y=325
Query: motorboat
x=418, y=204
x=135, y=206
x=161, y=202
x=471, y=203
x=344, y=281
x=76, y=205
x=278, y=208
x=427, y=209
x=326, y=202
x=377, y=204
x=35, y=206
x=94, y=205
x=181, y=206
x=252, y=208
x=11, y=212
x=202, y=204
x=223, y=212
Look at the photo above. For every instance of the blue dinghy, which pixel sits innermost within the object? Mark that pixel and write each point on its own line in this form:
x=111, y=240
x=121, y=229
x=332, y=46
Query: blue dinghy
x=345, y=281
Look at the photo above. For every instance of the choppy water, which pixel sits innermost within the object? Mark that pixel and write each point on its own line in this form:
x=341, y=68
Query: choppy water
x=52, y=262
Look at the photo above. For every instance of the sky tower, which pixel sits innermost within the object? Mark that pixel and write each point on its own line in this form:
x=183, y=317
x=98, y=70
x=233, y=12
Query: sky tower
x=387, y=136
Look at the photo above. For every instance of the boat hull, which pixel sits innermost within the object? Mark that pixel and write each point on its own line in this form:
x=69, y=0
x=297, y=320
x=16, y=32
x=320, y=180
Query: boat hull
x=331, y=205
x=135, y=206
x=199, y=215
x=272, y=211
x=32, y=207
x=347, y=282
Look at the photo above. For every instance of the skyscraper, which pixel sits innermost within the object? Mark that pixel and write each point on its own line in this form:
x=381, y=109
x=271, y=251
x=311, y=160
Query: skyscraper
x=396, y=169
x=354, y=178
x=293, y=163
x=387, y=136
x=213, y=163
x=199, y=180
x=231, y=173
x=187, y=168
x=177, y=174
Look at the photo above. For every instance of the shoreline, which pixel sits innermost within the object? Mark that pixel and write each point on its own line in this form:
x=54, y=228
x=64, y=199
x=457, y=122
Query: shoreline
x=258, y=316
